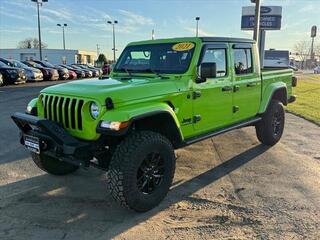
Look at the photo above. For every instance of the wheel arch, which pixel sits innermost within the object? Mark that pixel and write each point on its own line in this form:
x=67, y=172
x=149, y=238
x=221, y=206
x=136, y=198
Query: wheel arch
x=157, y=117
x=160, y=121
x=277, y=91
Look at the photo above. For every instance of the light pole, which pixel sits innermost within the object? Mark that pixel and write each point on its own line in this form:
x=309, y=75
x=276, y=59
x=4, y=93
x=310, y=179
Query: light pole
x=39, y=3
x=152, y=35
x=114, y=38
x=63, y=37
x=98, y=49
x=197, y=28
x=256, y=30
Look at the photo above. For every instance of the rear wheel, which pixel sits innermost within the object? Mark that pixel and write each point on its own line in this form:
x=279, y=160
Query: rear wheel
x=141, y=170
x=269, y=130
x=52, y=165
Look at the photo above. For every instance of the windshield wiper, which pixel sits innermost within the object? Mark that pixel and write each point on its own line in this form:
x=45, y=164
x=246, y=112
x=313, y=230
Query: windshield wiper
x=126, y=70
x=156, y=72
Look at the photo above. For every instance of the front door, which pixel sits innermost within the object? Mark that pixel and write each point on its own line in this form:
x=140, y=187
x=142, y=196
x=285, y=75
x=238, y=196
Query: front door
x=247, y=83
x=212, y=100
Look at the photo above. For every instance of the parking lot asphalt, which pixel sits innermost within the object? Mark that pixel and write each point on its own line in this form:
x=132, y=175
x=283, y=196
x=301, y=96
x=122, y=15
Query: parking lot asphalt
x=227, y=187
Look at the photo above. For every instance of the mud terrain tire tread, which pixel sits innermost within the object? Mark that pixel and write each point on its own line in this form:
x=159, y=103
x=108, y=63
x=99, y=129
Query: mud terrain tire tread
x=264, y=129
x=123, y=165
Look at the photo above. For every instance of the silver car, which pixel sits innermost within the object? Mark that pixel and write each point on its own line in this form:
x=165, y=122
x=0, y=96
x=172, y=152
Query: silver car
x=32, y=74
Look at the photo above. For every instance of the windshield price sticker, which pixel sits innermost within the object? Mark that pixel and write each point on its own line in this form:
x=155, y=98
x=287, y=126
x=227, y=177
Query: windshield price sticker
x=184, y=46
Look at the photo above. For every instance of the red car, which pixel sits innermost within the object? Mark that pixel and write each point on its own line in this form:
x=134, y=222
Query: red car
x=106, y=69
x=72, y=74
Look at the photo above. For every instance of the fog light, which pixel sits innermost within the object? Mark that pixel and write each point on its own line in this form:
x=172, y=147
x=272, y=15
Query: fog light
x=115, y=126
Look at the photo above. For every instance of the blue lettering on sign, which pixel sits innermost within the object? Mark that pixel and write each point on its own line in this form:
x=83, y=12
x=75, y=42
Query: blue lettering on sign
x=266, y=22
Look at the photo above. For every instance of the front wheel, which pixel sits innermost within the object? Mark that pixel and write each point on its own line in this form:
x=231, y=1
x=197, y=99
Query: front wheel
x=52, y=165
x=269, y=130
x=141, y=170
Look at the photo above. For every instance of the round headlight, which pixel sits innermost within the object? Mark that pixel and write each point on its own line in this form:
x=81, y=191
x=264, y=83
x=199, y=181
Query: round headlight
x=94, y=110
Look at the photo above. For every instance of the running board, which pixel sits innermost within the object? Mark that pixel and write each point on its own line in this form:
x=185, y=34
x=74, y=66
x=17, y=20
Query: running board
x=221, y=131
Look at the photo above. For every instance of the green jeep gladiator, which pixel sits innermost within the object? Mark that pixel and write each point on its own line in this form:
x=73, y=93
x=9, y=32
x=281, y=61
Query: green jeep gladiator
x=161, y=95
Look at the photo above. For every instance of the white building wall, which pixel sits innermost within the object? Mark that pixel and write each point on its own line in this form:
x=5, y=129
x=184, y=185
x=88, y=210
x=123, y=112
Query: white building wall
x=54, y=56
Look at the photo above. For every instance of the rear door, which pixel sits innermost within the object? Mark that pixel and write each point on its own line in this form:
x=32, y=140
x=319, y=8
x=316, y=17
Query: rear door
x=247, y=82
x=212, y=100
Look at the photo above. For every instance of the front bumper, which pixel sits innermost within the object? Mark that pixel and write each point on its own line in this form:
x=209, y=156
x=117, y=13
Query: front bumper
x=54, y=141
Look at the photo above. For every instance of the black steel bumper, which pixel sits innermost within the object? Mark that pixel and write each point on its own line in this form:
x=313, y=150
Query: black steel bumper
x=54, y=140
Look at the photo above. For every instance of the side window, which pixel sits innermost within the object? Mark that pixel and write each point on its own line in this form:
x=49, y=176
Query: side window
x=219, y=57
x=242, y=61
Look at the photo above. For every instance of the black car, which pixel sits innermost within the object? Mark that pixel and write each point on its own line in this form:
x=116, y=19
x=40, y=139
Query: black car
x=80, y=73
x=97, y=72
x=12, y=75
x=32, y=74
x=49, y=74
x=88, y=72
x=63, y=72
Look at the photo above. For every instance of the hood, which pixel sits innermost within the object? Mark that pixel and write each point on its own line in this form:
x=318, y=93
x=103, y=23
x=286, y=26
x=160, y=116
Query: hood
x=10, y=68
x=118, y=90
x=32, y=69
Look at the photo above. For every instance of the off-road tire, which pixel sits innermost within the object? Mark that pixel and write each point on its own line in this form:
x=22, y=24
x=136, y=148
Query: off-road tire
x=52, y=165
x=126, y=162
x=269, y=130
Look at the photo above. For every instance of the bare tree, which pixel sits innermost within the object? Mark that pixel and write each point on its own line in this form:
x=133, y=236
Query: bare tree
x=31, y=43
x=302, y=51
x=317, y=50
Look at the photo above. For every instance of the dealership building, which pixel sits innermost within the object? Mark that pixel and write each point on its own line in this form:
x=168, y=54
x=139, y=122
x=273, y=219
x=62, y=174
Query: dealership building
x=54, y=56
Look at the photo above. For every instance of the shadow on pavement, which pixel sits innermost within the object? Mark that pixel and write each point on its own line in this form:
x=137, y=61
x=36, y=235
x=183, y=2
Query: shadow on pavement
x=79, y=202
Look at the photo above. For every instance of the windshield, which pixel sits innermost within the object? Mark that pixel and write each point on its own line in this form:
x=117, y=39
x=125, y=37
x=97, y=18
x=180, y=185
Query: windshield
x=2, y=64
x=33, y=64
x=19, y=64
x=46, y=64
x=156, y=58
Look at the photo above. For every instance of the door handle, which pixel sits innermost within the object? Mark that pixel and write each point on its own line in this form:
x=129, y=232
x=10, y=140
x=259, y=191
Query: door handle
x=252, y=84
x=227, y=89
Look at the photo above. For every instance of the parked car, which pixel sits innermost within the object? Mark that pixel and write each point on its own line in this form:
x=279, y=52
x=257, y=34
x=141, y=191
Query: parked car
x=12, y=75
x=95, y=72
x=294, y=68
x=177, y=98
x=1, y=80
x=316, y=70
x=99, y=73
x=88, y=73
x=49, y=74
x=72, y=74
x=32, y=74
x=63, y=72
x=80, y=73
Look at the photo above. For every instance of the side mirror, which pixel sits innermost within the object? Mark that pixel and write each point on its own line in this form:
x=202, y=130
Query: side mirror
x=206, y=70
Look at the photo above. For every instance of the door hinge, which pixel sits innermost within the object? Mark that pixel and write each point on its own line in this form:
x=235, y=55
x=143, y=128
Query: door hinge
x=196, y=94
x=196, y=118
x=235, y=109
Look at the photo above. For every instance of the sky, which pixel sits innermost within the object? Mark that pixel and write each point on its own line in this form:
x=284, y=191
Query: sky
x=87, y=21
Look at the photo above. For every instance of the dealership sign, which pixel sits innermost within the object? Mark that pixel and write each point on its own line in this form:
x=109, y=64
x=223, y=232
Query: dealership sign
x=270, y=18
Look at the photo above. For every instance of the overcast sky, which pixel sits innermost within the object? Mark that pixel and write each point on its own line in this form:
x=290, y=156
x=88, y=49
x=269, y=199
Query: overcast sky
x=87, y=26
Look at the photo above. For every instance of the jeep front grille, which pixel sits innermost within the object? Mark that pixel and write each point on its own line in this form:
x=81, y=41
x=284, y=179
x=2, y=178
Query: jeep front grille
x=64, y=110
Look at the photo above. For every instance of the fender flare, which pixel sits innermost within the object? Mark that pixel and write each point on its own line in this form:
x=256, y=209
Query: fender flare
x=269, y=93
x=33, y=105
x=135, y=113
